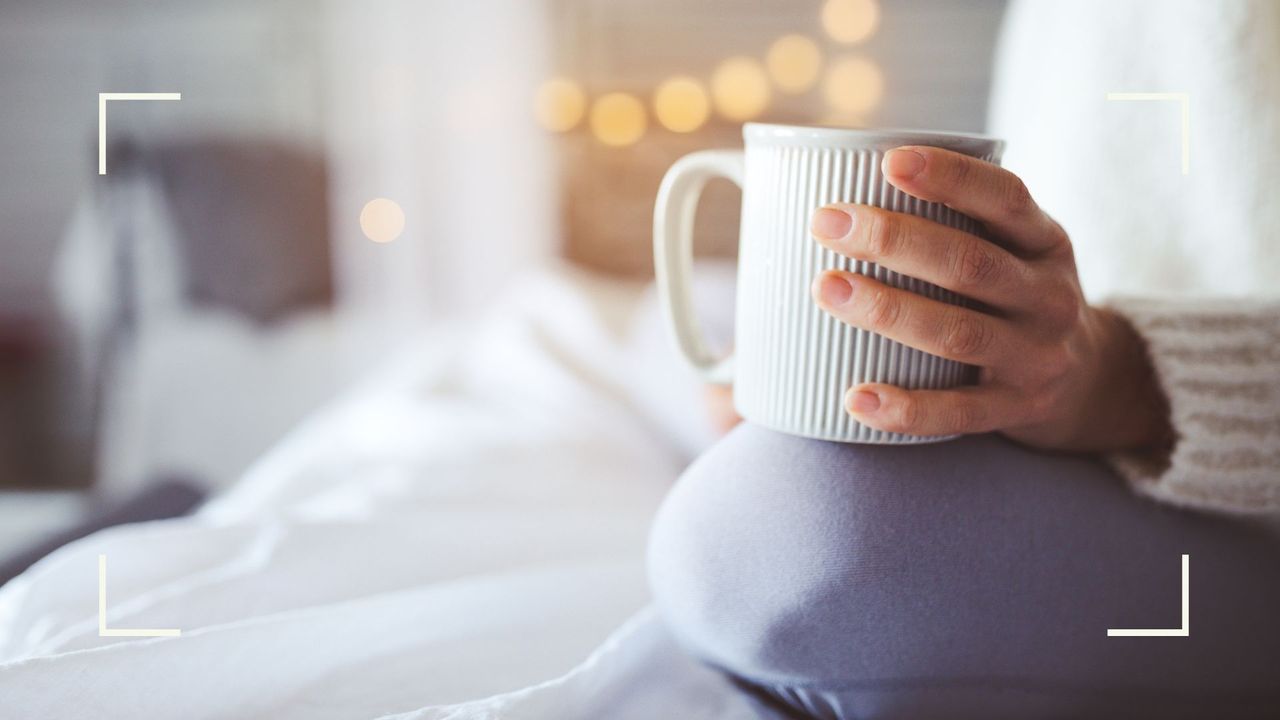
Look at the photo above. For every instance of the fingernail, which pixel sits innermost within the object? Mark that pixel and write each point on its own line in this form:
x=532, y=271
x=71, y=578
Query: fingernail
x=834, y=289
x=831, y=224
x=904, y=164
x=864, y=401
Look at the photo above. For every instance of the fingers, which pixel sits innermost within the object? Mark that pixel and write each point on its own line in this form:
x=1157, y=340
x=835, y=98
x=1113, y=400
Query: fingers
x=924, y=249
x=935, y=327
x=982, y=190
x=959, y=411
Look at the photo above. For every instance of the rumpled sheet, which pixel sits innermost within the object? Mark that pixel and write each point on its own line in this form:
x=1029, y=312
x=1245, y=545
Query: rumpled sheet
x=461, y=537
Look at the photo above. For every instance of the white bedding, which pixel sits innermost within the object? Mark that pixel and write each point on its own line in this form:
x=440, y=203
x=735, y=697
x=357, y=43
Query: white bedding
x=452, y=540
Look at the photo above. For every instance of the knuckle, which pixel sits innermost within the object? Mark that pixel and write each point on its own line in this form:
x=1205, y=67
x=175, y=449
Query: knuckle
x=910, y=415
x=969, y=416
x=883, y=235
x=1017, y=200
x=961, y=172
x=1048, y=363
x=1056, y=366
x=1061, y=310
x=1059, y=237
x=965, y=335
x=883, y=309
x=972, y=264
x=1040, y=405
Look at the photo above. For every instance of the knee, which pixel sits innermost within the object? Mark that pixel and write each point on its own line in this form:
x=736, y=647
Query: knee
x=802, y=563
x=772, y=547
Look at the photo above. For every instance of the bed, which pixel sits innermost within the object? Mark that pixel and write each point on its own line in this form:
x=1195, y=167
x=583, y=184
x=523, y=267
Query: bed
x=461, y=536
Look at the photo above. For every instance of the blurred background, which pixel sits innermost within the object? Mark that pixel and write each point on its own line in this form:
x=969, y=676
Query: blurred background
x=340, y=178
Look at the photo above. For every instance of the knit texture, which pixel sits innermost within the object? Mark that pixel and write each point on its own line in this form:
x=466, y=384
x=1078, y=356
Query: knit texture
x=1218, y=363
x=1110, y=173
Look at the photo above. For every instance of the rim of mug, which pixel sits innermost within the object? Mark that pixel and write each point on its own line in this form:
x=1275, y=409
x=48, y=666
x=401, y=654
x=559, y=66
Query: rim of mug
x=894, y=136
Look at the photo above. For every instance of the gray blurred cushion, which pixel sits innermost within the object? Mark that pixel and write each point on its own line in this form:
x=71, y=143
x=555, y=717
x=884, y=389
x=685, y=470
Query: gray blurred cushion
x=252, y=219
x=167, y=498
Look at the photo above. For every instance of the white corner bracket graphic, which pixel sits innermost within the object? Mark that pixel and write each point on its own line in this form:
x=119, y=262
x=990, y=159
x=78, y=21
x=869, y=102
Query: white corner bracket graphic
x=1183, y=631
x=102, y=118
x=103, y=630
x=1185, y=100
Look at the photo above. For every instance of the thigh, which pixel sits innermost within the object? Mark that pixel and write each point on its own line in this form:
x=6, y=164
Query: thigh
x=975, y=571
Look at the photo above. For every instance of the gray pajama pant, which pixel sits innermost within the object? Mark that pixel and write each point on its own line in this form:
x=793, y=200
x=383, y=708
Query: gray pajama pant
x=973, y=578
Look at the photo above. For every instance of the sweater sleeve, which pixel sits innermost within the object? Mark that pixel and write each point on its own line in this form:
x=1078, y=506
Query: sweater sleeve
x=1218, y=364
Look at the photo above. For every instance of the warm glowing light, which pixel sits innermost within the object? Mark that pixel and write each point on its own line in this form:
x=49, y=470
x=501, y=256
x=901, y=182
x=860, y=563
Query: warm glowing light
x=794, y=62
x=853, y=86
x=618, y=119
x=681, y=104
x=740, y=88
x=850, y=21
x=382, y=220
x=560, y=104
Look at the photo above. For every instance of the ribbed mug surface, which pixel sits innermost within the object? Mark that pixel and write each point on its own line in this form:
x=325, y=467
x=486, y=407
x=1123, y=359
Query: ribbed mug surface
x=793, y=361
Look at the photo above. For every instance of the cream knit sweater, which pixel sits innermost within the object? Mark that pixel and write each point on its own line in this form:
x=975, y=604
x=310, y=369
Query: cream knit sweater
x=1193, y=261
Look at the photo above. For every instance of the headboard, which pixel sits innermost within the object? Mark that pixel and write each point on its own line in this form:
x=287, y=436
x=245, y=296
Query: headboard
x=910, y=63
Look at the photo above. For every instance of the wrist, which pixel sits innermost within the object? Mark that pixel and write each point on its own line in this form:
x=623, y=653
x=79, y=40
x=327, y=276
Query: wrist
x=1132, y=406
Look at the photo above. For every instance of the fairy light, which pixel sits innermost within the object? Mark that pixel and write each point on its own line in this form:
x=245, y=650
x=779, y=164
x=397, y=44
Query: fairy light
x=559, y=104
x=740, y=88
x=681, y=104
x=381, y=220
x=850, y=21
x=617, y=119
x=794, y=62
x=853, y=85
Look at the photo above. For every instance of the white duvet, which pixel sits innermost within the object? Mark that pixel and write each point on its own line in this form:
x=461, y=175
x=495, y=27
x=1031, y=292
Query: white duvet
x=462, y=537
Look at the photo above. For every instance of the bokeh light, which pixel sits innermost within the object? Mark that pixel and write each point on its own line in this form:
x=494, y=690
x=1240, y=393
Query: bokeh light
x=794, y=62
x=740, y=88
x=382, y=220
x=850, y=21
x=618, y=119
x=681, y=104
x=853, y=85
x=560, y=104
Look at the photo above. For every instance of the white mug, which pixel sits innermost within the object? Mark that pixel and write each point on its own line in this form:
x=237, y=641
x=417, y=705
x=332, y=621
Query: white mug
x=793, y=362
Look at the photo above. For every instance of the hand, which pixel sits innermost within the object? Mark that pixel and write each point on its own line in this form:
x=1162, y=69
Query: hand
x=1054, y=371
x=720, y=411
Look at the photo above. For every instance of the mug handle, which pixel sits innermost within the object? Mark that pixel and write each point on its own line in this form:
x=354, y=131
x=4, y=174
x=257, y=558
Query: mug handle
x=673, y=252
